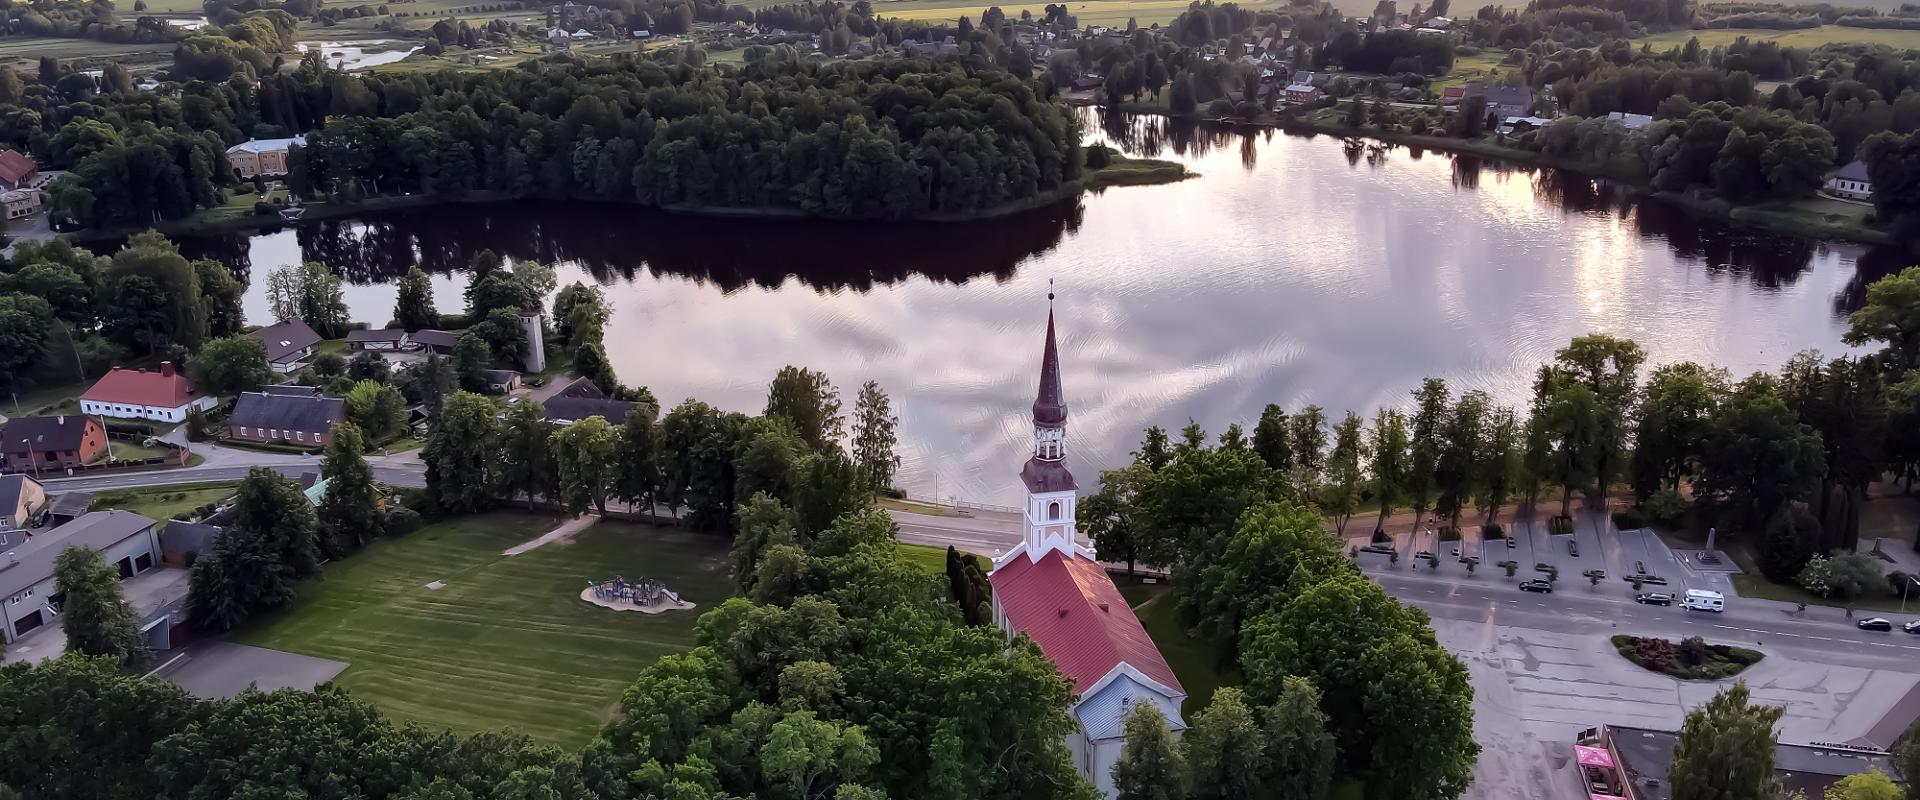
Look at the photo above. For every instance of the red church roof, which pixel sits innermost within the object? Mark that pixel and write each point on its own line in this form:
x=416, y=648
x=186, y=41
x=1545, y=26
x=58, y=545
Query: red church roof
x=1069, y=607
x=14, y=167
x=133, y=387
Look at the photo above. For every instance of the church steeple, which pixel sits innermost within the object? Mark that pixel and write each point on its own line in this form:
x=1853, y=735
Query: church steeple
x=1050, y=405
x=1051, y=492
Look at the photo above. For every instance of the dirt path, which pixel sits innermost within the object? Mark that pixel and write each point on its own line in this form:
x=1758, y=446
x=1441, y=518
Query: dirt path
x=562, y=534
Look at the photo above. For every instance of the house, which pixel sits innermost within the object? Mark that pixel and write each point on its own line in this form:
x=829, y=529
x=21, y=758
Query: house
x=291, y=390
x=1050, y=588
x=1301, y=94
x=1503, y=101
x=1087, y=83
x=20, y=202
x=558, y=39
x=21, y=501
x=503, y=381
x=441, y=342
x=26, y=573
x=164, y=396
x=181, y=542
x=1452, y=95
x=289, y=344
x=1512, y=125
x=1619, y=761
x=1632, y=122
x=301, y=420
x=1851, y=182
x=36, y=443
x=17, y=171
x=262, y=156
x=567, y=410
x=384, y=339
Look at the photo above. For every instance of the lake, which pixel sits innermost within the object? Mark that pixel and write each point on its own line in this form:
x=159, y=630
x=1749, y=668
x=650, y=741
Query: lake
x=1294, y=270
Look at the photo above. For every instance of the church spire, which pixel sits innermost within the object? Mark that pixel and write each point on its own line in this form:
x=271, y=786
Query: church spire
x=1050, y=405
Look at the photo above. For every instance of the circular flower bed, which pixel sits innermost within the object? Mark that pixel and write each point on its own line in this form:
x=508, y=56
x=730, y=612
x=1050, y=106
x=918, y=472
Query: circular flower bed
x=1691, y=659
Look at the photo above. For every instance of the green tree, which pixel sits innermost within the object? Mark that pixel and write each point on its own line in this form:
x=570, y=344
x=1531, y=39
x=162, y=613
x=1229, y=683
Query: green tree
x=1273, y=438
x=369, y=366
x=807, y=401
x=23, y=336
x=580, y=314
x=1299, y=749
x=637, y=471
x=1870, y=785
x=586, y=457
x=1725, y=750
x=221, y=293
x=1891, y=316
x=1906, y=760
x=1425, y=445
x=1149, y=767
x=1670, y=425
x=413, y=306
x=1107, y=517
x=527, y=462
x=471, y=358
x=875, y=440
x=1500, y=466
x=1346, y=474
x=97, y=618
x=1225, y=750
x=590, y=362
x=349, y=509
x=167, y=288
x=768, y=458
x=806, y=757
x=461, y=454
x=1463, y=454
x=1792, y=537
x=1389, y=442
x=268, y=546
x=1755, y=455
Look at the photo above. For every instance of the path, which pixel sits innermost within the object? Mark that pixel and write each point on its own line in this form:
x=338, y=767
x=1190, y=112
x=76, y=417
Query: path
x=563, y=533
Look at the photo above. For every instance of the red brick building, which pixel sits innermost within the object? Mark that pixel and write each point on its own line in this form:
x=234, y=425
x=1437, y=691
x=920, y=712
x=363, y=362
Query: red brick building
x=281, y=416
x=16, y=170
x=27, y=443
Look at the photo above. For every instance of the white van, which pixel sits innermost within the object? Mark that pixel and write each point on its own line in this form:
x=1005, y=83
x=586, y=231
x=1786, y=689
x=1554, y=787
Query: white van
x=1700, y=600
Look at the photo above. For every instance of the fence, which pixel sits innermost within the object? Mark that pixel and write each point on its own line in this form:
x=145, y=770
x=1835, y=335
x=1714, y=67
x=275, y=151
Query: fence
x=176, y=456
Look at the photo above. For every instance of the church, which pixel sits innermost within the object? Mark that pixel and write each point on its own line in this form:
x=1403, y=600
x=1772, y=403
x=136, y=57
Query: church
x=1050, y=588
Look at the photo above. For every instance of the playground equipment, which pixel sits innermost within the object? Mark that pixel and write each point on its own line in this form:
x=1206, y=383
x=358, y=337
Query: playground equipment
x=645, y=593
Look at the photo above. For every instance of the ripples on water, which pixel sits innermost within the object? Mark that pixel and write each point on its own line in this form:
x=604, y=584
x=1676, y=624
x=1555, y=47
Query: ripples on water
x=1293, y=271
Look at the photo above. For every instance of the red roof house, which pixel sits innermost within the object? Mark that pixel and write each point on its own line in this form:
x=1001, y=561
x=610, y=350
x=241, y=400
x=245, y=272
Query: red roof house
x=16, y=170
x=165, y=395
x=1050, y=589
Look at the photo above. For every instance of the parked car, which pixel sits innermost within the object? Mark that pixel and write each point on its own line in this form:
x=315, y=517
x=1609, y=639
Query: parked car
x=1653, y=599
x=1537, y=585
x=1874, y=624
x=1912, y=627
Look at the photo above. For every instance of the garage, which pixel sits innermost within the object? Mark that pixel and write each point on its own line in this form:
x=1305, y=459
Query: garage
x=27, y=623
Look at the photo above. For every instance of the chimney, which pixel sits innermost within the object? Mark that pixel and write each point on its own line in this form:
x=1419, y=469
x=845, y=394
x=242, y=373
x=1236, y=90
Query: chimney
x=166, y=369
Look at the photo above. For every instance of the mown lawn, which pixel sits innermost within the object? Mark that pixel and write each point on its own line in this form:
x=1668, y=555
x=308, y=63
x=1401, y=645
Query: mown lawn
x=1196, y=663
x=507, y=642
x=163, y=503
x=1092, y=12
x=1805, y=38
x=934, y=559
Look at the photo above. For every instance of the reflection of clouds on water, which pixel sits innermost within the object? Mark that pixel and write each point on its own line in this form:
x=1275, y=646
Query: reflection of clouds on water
x=1281, y=275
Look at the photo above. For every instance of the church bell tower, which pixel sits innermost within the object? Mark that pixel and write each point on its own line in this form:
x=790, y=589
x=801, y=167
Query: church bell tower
x=1051, y=493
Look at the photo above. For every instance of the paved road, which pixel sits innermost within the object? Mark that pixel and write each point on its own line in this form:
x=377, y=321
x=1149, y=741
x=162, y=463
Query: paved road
x=398, y=470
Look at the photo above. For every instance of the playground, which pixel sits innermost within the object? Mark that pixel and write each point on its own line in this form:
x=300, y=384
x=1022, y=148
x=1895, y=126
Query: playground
x=499, y=641
x=646, y=596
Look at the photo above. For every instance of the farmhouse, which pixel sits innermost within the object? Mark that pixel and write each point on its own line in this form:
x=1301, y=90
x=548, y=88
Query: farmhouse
x=297, y=419
x=164, y=396
x=35, y=443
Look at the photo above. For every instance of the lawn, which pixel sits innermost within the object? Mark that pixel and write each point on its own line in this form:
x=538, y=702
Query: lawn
x=507, y=642
x=129, y=451
x=934, y=559
x=1806, y=38
x=1194, y=662
x=163, y=502
x=1096, y=12
x=1472, y=68
x=49, y=399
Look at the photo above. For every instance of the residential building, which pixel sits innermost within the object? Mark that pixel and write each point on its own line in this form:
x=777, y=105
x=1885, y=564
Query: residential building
x=503, y=381
x=22, y=499
x=1050, y=588
x=383, y=339
x=17, y=171
x=1619, y=761
x=1452, y=95
x=262, y=156
x=289, y=344
x=433, y=341
x=1632, y=122
x=1851, y=182
x=300, y=420
x=1512, y=125
x=51, y=443
x=1503, y=101
x=566, y=410
x=164, y=396
x=20, y=202
x=27, y=588
x=1301, y=94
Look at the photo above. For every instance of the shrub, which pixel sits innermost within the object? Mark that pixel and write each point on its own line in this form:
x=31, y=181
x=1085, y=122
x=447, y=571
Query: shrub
x=1492, y=530
x=1099, y=157
x=1691, y=659
x=1897, y=581
x=1220, y=108
x=1559, y=525
x=1449, y=534
x=1665, y=507
x=1628, y=520
x=264, y=208
x=401, y=521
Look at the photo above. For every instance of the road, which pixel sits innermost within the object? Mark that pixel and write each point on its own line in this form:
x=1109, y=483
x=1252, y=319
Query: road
x=227, y=464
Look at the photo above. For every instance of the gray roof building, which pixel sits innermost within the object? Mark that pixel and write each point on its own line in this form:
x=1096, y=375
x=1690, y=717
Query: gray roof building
x=1853, y=171
x=44, y=433
x=311, y=413
x=438, y=340
x=563, y=410
x=32, y=562
x=287, y=341
x=1645, y=755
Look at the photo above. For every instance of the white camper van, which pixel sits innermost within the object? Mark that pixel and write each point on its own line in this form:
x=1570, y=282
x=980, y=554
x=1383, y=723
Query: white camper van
x=1701, y=600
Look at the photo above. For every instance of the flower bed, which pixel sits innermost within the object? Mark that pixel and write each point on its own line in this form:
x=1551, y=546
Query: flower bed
x=1692, y=659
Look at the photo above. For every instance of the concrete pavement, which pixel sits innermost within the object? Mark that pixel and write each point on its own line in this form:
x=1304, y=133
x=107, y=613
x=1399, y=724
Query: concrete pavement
x=231, y=464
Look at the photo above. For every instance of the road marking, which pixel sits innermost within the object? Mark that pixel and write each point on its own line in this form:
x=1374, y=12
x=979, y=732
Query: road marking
x=1784, y=633
x=1883, y=644
x=1820, y=638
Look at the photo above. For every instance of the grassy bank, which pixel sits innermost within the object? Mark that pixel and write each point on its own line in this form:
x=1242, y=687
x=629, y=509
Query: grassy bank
x=163, y=503
x=1124, y=171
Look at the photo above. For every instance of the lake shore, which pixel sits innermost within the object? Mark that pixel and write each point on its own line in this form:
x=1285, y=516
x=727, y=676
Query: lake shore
x=1787, y=218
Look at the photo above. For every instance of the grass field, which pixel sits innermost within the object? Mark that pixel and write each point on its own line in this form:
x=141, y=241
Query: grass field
x=1807, y=38
x=507, y=642
x=934, y=559
x=1194, y=662
x=163, y=502
x=1096, y=12
x=1472, y=68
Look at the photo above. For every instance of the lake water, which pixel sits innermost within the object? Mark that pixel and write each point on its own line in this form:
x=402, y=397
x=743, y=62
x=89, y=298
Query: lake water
x=361, y=54
x=1293, y=271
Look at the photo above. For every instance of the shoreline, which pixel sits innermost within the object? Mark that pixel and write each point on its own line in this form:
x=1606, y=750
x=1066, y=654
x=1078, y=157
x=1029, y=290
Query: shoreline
x=1123, y=171
x=1772, y=218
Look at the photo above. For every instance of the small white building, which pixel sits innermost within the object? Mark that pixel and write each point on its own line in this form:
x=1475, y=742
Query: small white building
x=20, y=202
x=164, y=396
x=1851, y=182
x=262, y=156
x=1632, y=122
x=27, y=588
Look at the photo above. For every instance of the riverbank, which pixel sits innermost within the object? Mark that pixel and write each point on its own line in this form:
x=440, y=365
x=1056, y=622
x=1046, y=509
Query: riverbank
x=1797, y=218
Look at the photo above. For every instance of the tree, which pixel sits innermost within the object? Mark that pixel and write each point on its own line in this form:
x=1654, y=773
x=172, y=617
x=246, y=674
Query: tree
x=1225, y=750
x=221, y=293
x=874, y=437
x=369, y=366
x=585, y=452
x=309, y=292
x=1891, y=316
x=969, y=587
x=349, y=509
x=1870, y=785
x=1906, y=757
x=1791, y=539
x=807, y=401
x=527, y=463
x=149, y=275
x=590, y=362
x=461, y=454
x=1272, y=438
x=1107, y=517
x=1425, y=445
x=1299, y=756
x=97, y=618
x=580, y=314
x=23, y=336
x=1725, y=750
x=1346, y=472
x=471, y=359
x=1462, y=454
x=637, y=471
x=1149, y=767
x=1670, y=424
x=1755, y=455
x=413, y=306
x=269, y=544
x=1389, y=443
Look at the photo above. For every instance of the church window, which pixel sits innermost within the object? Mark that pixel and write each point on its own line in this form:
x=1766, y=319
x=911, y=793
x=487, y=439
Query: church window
x=1053, y=510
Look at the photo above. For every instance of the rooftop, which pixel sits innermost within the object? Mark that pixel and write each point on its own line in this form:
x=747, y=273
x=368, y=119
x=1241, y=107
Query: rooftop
x=163, y=389
x=573, y=409
x=32, y=562
x=310, y=413
x=376, y=335
x=10, y=488
x=42, y=434
x=1853, y=171
x=287, y=339
x=1645, y=755
x=14, y=166
x=1072, y=610
x=267, y=145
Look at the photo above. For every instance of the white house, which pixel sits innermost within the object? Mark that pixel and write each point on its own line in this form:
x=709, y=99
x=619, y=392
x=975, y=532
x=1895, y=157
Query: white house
x=27, y=587
x=289, y=344
x=1851, y=182
x=165, y=396
x=1050, y=588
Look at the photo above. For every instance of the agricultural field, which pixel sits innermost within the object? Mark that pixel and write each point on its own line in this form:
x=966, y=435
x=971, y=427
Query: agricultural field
x=1807, y=38
x=1095, y=12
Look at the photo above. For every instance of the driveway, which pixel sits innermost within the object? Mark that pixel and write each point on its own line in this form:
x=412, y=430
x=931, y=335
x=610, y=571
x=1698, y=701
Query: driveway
x=218, y=670
x=146, y=592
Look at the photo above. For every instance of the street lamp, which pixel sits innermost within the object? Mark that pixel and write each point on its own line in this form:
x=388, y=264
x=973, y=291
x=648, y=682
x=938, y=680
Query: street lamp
x=1903, y=592
x=31, y=458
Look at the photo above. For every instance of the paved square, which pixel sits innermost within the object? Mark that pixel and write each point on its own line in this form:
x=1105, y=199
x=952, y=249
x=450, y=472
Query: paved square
x=220, y=670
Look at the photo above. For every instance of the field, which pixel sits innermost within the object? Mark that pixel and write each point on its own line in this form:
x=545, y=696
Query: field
x=162, y=502
x=1807, y=38
x=507, y=642
x=1472, y=68
x=1097, y=12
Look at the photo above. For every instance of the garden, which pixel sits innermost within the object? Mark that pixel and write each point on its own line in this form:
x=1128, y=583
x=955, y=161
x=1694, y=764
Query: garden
x=1689, y=659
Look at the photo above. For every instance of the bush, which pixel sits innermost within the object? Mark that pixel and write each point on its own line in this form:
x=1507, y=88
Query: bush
x=264, y=208
x=1220, y=108
x=1665, y=507
x=1492, y=530
x=1897, y=581
x=1449, y=534
x=1692, y=659
x=1099, y=157
x=1628, y=520
x=1559, y=525
x=401, y=521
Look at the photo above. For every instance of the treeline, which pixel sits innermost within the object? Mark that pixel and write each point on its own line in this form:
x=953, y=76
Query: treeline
x=861, y=140
x=84, y=19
